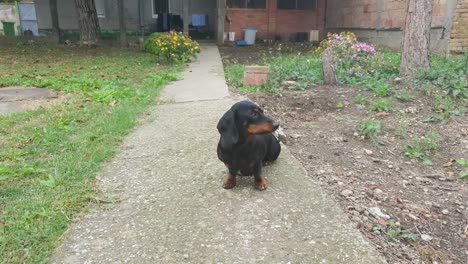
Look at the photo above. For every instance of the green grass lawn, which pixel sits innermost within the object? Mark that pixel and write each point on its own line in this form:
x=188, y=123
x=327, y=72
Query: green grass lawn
x=49, y=157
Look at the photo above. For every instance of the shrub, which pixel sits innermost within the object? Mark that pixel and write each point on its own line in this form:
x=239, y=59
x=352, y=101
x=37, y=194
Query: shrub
x=360, y=64
x=349, y=53
x=172, y=47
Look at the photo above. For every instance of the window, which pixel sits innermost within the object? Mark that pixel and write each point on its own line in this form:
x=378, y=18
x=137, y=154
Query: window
x=246, y=3
x=297, y=4
x=160, y=6
x=100, y=8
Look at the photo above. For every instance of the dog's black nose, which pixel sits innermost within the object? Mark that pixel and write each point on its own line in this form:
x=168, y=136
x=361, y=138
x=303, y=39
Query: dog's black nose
x=275, y=125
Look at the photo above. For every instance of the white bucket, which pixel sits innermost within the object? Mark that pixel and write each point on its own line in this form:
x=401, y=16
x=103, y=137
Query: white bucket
x=232, y=36
x=250, y=35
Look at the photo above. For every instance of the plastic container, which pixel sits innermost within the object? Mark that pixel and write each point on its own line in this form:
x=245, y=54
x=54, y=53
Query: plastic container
x=241, y=43
x=8, y=28
x=232, y=36
x=249, y=35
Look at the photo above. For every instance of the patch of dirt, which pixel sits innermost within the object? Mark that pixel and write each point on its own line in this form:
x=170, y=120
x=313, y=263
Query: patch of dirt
x=321, y=130
x=431, y=201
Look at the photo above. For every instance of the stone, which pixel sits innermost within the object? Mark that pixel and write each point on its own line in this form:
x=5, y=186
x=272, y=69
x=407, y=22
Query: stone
x=445, y=212
x=346, y=193
x=425, y=237
x=368, y=151
x=377, y=213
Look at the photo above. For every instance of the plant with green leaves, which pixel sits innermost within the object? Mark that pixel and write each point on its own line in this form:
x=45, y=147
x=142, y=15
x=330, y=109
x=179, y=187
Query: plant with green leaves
x=382, y=105
x=370, y=128
x=394, y=232
x=449, y=74
x=360, y=99
x=404, y=95
x=422, y=147
x=463, y=173
x=172, y=47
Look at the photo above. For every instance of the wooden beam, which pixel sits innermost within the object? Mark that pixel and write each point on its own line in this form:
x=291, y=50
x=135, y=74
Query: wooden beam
x=221, y=14
x=186, y=15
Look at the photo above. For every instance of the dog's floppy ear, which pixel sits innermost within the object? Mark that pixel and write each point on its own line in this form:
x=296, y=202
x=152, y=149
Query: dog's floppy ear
x=228, y=129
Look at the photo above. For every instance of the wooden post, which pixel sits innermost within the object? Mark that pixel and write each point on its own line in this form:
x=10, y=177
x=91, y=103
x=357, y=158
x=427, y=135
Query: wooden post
x=186, y=15
x=55, y=20
x=122, y=26
x=328, y=67
x=221, y=14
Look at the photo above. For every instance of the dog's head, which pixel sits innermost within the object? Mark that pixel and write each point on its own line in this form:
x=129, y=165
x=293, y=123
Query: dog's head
x=244, y=119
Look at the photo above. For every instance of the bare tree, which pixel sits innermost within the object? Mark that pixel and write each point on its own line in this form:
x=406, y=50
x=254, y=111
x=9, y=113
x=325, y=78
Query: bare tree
x=88, y=22
x=415, y=52
x=55, y=20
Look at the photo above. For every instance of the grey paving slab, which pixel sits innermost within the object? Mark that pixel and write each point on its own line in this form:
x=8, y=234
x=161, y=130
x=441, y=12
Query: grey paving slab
x=203, y=79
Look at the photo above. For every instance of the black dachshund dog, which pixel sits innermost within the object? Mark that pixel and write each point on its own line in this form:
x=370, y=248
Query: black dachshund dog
x=247, y=143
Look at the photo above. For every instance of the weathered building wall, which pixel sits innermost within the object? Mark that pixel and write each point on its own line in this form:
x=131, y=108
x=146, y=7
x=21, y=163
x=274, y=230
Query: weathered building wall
x=381, y=21
x=8, y=13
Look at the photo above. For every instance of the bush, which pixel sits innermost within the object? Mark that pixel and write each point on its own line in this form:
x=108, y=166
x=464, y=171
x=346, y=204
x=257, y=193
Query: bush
x=349, y=53
x=360, y=64
x=172, y=47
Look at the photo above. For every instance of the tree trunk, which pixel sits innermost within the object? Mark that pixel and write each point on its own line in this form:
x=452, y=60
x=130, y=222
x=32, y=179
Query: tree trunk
x=328, y=67
x=415, y=52
x=55, y=20
x=88, y=22
x=122, y=26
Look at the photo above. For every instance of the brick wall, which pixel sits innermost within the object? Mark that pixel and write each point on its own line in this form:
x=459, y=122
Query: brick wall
x=375, y=14
x=381, y=21
x=272, y=22
x=459, y=35
x=240, y=18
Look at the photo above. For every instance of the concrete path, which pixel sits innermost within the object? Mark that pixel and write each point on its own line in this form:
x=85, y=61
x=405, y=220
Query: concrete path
x=172, y=207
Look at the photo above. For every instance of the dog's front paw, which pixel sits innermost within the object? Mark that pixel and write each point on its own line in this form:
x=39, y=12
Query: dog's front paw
x=261, y=184
x=229, y=182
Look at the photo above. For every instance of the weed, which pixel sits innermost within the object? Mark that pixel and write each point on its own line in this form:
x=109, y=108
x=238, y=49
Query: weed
x=403, y=95
x=235, y=75
x=340, y=105
x=448, y=74
x=382, y=105
x=463, y=173
x=402, y=129
x=381, y=89
x=421, y=148
x=304, y=70
x=444, y=108
x=360, y=99
x=394, y=232
x=370, y=128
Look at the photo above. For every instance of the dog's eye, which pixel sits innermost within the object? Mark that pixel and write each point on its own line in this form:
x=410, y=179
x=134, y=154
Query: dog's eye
x=254, y=115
